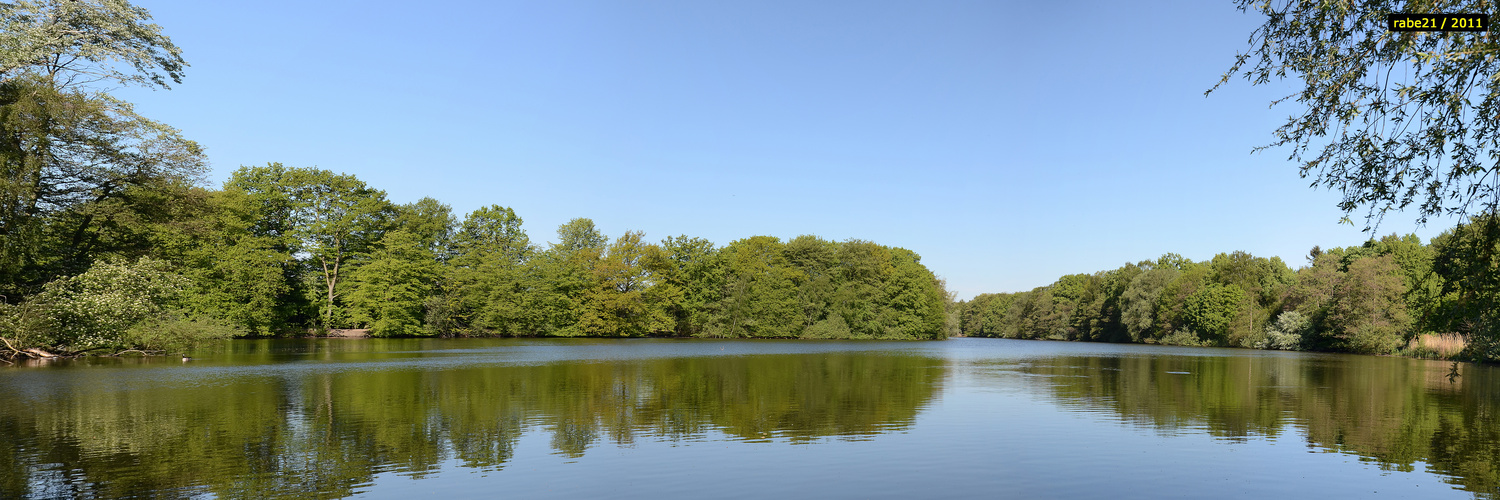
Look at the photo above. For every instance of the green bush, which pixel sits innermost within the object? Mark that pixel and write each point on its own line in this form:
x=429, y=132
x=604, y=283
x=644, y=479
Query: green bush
x=115, y=305
x=832, y=327
x=1185, y=337
x=175, y=333
x=1286, y=332
x=94, y=309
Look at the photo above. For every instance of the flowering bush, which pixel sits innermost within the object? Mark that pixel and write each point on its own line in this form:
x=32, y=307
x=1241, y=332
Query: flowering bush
x=1286, y=332
x=114, y=305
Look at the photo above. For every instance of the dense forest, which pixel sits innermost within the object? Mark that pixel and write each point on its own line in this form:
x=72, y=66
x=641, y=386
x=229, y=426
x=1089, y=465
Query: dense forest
x=1388, y=296
x=289, y=251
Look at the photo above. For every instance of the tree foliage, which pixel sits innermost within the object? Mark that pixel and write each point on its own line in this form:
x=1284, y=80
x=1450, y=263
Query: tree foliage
x=114, y=305
x=78, y=42
x=330, y=217
x=1390, y=119
x=1372, y=298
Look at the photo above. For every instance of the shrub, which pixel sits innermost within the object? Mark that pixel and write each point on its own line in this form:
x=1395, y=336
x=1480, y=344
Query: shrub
x=114, y=305
x=832, y=327
x=1286, y=332
x=95, y=309
x=176, y=333
x=1185, y=337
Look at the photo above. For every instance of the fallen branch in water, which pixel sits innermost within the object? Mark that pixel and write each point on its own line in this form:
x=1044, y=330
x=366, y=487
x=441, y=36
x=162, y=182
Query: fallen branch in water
x=12, y=348
x=30, y=352
x=38, y=353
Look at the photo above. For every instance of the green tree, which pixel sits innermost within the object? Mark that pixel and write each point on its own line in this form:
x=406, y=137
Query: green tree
x=84, y=41
x=993, y=316
x=1171, y=303
x=1368, y=314
x=817, y=259
x=1211, y=311
x=760, y=292
x=67, y=149
x=1110, y=326
x=859, y=286
x=914, y=302
x=431, y=221
x=1361, y=309
x=563, y=274
x=1424, y=286
x=690, y=277
x=489, y=287
x=392, y=285
x=1036, y=315
x=1139, y=301
x=331, y=217
x=1315, y=294
x=1390, y=119
x=245, y=276
x=1266, y=280
x=623, y=300
x=73, y=161
x=1468, y=259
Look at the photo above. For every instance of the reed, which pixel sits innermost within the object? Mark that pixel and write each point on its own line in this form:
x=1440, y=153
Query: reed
x=1438, y=345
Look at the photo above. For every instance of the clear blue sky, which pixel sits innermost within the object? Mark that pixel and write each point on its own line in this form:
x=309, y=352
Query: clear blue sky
x=1007, y=143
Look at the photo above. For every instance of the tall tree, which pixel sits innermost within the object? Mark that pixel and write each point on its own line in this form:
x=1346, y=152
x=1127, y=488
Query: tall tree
x=331, y=217
x=392, y=285
x=431, y=221
x=1139, y=301
x=690, y=280
x=914, y=307
x=624, y=300
x=1468, y=259
x=247, y=277
x=65, y=146
x=564, y=273
x=77, y=42
x=488, y=284
x=1368, y=314
x=760, y=292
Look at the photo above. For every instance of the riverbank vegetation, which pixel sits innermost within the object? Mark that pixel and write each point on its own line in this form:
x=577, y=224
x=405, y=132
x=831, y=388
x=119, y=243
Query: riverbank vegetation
x=288, y=251
x=1395, y=295
x=110, y=240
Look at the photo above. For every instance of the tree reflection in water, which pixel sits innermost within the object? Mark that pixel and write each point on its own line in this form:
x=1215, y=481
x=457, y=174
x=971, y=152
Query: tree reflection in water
x=1395, y=411
x=328, y=433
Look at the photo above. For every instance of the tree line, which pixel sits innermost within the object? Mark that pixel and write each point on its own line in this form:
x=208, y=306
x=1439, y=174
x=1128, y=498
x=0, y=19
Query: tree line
x=1387, y=296
x=282, y=250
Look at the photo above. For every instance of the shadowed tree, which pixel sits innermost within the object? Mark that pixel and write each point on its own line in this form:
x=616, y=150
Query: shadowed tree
x=68, y=150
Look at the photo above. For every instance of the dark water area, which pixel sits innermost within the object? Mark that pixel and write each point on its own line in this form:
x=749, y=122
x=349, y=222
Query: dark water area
x=746, y=419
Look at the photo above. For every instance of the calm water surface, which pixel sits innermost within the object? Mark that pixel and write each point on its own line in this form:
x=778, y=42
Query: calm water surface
x=747, y=419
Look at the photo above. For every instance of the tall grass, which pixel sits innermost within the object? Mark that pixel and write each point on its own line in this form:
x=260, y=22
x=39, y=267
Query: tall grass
x=1436, y=345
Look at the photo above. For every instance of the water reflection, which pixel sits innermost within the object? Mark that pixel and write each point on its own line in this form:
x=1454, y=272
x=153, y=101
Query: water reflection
x=1396, y=412
x=327, y=418
x=265, y=421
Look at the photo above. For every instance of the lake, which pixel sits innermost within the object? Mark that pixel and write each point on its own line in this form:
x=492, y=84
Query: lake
x=747, y=419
